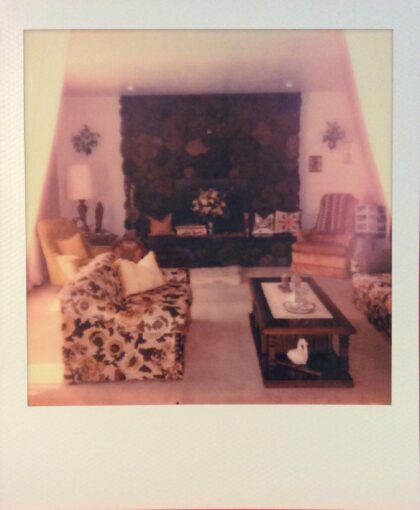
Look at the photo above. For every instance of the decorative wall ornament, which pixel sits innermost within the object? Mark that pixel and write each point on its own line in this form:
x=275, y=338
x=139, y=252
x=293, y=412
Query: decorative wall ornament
x=85, y=140
x=333, y=133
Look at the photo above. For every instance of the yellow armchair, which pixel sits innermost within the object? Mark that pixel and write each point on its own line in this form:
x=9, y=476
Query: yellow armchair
x=65, y=249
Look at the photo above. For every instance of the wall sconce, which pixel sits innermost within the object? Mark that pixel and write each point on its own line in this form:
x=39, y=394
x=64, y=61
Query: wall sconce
x=333, y=133
x=347, y=152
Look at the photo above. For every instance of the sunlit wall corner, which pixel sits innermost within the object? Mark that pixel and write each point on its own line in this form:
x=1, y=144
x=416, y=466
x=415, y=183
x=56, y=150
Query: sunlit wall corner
x=370, y=62
x=45, y=57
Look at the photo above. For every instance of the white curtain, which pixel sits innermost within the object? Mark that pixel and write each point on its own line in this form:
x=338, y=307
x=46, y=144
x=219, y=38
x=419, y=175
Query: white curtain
x=370, y=61
x=45, y=63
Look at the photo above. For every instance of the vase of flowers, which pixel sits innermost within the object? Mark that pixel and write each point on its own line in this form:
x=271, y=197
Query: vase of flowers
x=210, y=204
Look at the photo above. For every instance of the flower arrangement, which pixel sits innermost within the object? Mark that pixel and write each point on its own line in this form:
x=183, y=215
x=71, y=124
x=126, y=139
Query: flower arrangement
x=85, y=141
x=333, y=133
x=209, y=203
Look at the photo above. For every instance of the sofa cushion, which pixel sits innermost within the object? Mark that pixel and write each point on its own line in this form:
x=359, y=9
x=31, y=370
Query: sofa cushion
x=320, y=248
x=345, y=239
x=158, y=312
x=263, y=226
x=160, y=227
x=141, y=276
x=318, y=259
x=285, y=222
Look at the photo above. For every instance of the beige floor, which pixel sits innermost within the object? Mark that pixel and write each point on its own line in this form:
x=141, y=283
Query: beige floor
x=221, y=363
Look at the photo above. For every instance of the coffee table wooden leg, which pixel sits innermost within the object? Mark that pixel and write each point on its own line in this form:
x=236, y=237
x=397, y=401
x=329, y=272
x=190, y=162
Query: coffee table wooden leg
x=271, y=340
x=344, y=352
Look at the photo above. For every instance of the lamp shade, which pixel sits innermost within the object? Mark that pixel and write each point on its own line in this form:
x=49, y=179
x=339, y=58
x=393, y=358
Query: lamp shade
x=79, y=182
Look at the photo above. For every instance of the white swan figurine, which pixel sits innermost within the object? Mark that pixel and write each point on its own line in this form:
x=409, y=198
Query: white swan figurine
x=299, y=356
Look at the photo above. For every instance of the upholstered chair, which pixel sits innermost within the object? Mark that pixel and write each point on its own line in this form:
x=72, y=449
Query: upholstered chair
x=65, y=249
x=326, y=249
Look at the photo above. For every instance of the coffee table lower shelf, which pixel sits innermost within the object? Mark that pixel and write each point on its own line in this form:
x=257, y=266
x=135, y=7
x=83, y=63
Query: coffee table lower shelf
x=284, y=374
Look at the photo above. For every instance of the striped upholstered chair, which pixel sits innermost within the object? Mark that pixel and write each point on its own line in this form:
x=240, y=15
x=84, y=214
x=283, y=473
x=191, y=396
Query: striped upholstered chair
x=326, y=249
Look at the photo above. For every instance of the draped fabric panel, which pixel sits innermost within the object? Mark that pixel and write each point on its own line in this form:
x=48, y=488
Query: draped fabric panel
x=45, y=62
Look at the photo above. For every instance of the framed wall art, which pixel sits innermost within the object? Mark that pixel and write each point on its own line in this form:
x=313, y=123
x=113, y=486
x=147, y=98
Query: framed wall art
x=315, y=163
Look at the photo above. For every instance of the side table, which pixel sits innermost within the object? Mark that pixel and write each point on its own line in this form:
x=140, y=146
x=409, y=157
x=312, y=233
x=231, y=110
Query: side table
x=100, y=238
x=104, y=238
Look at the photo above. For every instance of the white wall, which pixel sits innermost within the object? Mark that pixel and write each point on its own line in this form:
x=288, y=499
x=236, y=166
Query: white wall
x=336, y=175
x=101, y=114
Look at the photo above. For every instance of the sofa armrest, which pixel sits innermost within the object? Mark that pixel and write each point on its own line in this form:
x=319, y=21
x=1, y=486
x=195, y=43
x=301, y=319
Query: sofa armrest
x=345, y=239
x=176, y=275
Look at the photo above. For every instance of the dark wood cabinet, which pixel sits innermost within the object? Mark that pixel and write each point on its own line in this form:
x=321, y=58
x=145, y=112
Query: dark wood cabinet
x=104, y=238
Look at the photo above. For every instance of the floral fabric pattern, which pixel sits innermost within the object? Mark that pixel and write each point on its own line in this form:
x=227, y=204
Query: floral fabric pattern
x=372, y=294
x=109, y=338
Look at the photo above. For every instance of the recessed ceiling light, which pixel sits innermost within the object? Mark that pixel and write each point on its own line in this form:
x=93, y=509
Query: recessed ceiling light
x=289, y=84
x=130, y=88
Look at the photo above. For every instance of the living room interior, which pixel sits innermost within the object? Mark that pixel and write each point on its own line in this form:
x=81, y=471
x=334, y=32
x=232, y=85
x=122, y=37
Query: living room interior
x=290, y=117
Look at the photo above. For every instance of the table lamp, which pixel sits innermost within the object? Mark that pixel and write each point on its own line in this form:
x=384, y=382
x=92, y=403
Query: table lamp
x=79, y=186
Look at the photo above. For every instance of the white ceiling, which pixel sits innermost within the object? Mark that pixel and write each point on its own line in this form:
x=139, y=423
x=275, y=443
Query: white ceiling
x=106, y=62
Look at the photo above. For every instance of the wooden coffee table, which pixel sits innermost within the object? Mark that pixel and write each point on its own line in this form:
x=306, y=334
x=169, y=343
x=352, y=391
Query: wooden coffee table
x=274, y=336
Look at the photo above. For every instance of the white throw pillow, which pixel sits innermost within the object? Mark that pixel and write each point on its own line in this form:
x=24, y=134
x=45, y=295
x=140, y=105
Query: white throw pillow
x=141, y=276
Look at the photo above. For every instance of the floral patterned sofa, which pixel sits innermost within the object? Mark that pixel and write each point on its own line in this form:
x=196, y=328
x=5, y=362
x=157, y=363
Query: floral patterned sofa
x=110, y=338
x=372, y=294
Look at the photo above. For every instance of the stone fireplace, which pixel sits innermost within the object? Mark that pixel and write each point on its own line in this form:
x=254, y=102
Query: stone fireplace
x=244, y=145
